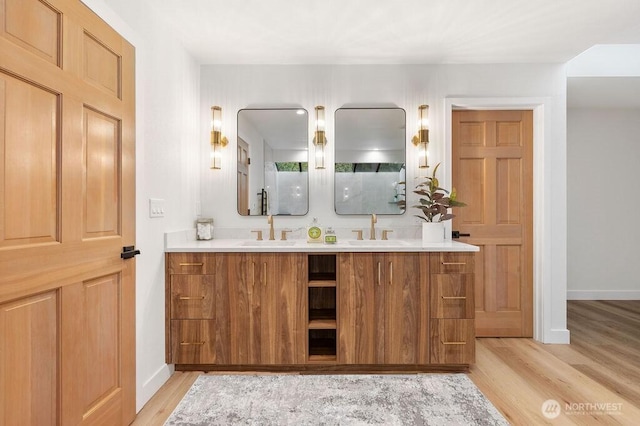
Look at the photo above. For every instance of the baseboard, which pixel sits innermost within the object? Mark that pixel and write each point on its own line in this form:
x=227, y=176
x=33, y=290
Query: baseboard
x=556, y=336
x=151, y=386
x=603, y=294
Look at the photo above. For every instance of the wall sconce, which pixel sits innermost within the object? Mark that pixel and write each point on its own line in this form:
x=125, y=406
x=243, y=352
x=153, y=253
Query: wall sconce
x=319, y=140
x=217, y=140
x=421, y=140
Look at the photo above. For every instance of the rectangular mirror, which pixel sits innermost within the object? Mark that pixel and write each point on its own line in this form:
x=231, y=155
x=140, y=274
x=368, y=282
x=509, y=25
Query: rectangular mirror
x=273, y=160
x=369, y=160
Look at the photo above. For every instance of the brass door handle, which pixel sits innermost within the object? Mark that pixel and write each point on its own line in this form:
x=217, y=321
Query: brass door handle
x=453, y=343
x=192, y=343
x=192, y=264
x=390, y=273
x=379, y=271
x=453, y=263
x=454, y=297
x=191, y=298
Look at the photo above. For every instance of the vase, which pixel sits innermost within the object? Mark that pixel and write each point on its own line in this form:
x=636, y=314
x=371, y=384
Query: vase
x=432, y=232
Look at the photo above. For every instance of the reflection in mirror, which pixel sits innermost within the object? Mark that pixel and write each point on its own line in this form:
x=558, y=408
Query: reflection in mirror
x=272, y=162
x=370, y=160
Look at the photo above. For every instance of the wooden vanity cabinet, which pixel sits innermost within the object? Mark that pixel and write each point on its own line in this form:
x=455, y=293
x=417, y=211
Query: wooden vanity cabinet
x=191, y=308
x=452, y=308
x=236, y=308
x=382, y=308
x=320, y=310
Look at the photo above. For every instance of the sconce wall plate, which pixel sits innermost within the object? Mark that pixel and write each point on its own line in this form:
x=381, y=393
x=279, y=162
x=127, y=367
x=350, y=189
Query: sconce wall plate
x=217, y=140
x=320, y=140
x=421, y=140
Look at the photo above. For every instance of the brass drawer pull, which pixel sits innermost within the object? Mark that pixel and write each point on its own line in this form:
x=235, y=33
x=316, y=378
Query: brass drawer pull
x=454, y=343
x=191, y=298
x=192, y=264
x=264, y=273
x=379, y=279
x=192, y=343
x=453, y=263
x=454, y=297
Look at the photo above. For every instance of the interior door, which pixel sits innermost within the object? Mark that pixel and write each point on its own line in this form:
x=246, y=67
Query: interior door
x=492, y=167
x=243, y=177
x=67, y=179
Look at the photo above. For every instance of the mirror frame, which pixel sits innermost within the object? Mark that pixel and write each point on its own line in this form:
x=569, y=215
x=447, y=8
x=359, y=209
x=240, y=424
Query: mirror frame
x=397, y=188
x=264, y=210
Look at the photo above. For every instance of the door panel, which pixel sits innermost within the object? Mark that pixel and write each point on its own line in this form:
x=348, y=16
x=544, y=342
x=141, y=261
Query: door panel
x=28, y=149
x=67, y=206
x=28, y=380
x=101, y=171
x=492, y=169
x=35, y=26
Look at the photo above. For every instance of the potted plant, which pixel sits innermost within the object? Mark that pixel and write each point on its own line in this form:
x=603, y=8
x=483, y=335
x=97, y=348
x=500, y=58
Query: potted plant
x=435, y=203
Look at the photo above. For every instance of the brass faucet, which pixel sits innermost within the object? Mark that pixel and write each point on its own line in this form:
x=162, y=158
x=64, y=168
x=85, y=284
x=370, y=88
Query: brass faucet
x=272, y=236
x=374, y=219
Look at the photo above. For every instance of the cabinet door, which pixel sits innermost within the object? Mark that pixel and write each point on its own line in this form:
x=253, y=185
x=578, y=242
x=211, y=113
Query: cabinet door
x=403, y=300
x=283, y=341
x=361, y=289
x=233, y=308
x=266, y=297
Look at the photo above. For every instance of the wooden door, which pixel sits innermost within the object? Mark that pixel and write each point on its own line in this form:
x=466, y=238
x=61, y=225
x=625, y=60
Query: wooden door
x=492, y=167
x=67, y=180
x=361, y=328
x=243, y=177
x=404, y=297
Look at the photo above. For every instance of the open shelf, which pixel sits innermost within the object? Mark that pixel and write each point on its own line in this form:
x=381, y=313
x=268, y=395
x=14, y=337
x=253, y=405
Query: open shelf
x=322, y=343
x=322, y=325
x=322, y=283
x=322, y=267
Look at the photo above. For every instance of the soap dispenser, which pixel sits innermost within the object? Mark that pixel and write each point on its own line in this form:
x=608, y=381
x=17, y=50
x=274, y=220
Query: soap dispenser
x=314, y=232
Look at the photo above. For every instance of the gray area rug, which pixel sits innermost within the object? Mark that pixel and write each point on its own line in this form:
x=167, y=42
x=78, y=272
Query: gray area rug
x=423, y=399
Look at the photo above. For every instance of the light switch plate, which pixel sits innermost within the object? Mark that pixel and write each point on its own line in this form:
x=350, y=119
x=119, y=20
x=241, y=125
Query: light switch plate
x=156, y=207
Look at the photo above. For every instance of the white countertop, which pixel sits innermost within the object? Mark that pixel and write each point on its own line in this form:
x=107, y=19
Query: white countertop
x=245, y=245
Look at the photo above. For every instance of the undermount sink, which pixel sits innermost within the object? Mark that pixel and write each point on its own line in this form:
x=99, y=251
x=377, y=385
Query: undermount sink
x=268, y=243
x=376, y=243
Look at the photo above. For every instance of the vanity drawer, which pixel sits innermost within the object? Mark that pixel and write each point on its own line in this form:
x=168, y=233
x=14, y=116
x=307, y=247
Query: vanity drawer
x=192, y=341
x=189, y=263
x=452, y=296
x=192, y=297
x=452, y=263
x=452, y=341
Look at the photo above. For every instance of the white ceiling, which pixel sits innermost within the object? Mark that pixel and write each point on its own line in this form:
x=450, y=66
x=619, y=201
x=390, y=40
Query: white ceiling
x=396, y=32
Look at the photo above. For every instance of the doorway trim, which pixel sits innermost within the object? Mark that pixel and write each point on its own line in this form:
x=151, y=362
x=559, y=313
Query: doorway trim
x=549, y=189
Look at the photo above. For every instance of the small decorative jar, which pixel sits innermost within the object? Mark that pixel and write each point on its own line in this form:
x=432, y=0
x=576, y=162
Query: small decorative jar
x=204, y=229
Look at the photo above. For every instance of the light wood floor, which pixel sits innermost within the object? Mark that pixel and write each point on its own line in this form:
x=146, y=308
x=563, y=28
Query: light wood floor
x=601, y=366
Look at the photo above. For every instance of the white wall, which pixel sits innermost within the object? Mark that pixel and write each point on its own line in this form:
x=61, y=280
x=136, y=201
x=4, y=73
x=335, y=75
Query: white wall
x=167, y=153
x=538, y=86
x=602, y=180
